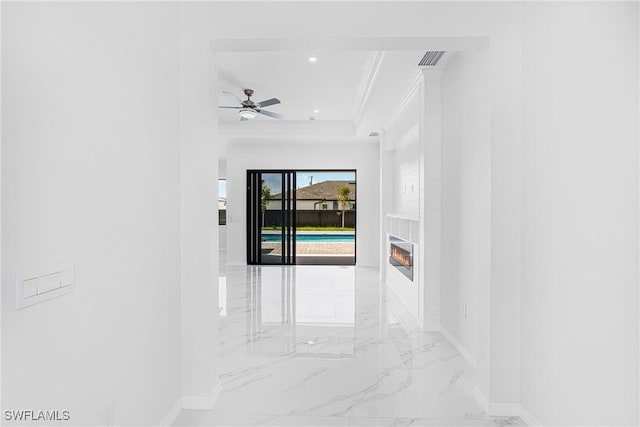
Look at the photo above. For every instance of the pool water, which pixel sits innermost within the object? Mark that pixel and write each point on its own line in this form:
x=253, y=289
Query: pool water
x=314, y=238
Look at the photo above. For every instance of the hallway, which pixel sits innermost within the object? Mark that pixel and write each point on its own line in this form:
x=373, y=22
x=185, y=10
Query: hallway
x=305, y=345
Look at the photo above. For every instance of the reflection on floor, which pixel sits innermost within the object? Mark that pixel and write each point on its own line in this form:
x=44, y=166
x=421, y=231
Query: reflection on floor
x=317, y=346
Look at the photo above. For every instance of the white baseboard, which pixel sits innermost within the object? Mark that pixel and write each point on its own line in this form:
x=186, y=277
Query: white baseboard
x=505, y=409
x=461, y=348
x=528, y=418
x=191, y=402
x=172, y=415
x=202, y=402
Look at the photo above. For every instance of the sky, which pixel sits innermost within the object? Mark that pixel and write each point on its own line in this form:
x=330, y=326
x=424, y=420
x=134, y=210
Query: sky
x=302, y=179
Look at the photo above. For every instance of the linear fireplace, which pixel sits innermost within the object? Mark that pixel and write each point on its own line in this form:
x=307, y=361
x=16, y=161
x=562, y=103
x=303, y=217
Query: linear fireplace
x=401, y=255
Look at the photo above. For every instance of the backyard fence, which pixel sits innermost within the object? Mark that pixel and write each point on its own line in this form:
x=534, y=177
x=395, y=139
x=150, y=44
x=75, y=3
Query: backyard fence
x=310, y=218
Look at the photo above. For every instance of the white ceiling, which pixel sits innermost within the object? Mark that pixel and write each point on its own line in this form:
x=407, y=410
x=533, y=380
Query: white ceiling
x=332, y=85
x=358, y=88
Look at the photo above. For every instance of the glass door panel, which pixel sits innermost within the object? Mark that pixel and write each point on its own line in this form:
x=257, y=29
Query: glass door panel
x=270, y=217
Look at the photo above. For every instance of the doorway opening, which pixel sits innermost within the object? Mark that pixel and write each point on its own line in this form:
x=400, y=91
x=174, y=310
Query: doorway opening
x=301, y=217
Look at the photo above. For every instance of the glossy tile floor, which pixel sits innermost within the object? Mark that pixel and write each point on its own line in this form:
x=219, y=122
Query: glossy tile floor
x=323, y=346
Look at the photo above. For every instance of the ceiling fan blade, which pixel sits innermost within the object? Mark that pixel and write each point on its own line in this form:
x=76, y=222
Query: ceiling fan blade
x=233, y=94
x=271, y=114
x=226, y=106
x=267, y=102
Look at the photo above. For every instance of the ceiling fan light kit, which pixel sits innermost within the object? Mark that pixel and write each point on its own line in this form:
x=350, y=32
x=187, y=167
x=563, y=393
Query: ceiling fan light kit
x=247, y=113
x=249, y=109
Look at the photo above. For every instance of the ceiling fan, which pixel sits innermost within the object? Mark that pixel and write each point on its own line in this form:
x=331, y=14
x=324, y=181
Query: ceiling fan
x=249, y=109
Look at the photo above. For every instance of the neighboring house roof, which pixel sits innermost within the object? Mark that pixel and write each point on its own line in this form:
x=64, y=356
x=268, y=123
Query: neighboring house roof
x=325, y=190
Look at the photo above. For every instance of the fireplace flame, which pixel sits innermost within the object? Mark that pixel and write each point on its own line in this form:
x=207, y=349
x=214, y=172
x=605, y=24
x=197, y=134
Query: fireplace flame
x=400, y=255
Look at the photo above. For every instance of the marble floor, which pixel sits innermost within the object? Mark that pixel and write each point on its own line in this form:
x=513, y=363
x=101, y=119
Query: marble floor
x=319, y=346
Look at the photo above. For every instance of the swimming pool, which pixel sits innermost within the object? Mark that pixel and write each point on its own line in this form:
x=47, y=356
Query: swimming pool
x=314, y=238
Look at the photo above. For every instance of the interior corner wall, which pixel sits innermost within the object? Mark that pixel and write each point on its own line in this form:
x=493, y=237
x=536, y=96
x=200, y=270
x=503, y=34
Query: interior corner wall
x=90, y=177
x=466, y=195
x=199, y=220
x=328, y=154
x=580, y=213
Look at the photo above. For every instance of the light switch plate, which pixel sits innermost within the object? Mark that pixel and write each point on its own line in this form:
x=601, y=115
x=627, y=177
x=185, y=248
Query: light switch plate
x=43, y=284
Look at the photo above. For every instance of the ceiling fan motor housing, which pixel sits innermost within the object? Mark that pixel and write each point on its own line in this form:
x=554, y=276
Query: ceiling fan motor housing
x=248, y=103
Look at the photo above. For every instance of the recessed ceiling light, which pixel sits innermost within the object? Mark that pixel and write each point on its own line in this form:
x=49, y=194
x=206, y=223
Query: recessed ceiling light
x=316, y=111
x=313, y=59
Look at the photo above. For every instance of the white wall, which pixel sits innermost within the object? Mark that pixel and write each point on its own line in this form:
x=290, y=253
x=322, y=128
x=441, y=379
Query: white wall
x=198, y=220
x=313, y=155
x=90, y=175
x=466, y=195
x=402, y=145
x=580, y=213
x=406, y=175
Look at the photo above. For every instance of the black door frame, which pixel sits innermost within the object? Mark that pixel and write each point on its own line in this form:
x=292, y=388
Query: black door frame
x=254, y=212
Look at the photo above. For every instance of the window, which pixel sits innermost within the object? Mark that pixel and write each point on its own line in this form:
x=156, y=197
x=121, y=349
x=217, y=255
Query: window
x=324, y=206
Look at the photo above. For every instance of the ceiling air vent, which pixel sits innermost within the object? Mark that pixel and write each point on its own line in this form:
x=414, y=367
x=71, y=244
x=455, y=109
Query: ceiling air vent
x=431, y=58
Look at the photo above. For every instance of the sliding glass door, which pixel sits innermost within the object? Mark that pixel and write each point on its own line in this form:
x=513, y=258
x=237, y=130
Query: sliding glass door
x=271, y=208
x=301, y=217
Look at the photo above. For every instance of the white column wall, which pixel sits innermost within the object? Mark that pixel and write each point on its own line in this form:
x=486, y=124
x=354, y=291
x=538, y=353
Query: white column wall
x=199, y=219
x=505, y=76
x=466, y=198
x=430, y=212
x=580, y=213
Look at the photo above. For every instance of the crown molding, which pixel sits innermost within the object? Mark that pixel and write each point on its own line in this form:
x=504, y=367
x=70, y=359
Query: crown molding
x=415, y=84
x=369, y=83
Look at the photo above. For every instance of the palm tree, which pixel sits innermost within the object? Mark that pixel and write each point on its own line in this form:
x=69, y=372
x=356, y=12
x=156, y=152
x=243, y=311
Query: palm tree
x=343, y=199
x=264, y=200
